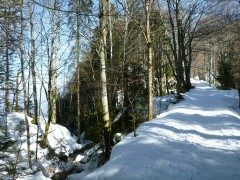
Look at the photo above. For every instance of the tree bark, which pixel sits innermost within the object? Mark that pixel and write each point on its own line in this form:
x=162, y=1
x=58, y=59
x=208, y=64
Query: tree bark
x=51, y=88
x=173, y=46
x=22, y=57
x=16, y=92
x=103, y=56
x=149, y=59
x=54, y=52
x=78, y=75
x=32, y=57
x=7, y=71
x=33, y=65
x=181, y=51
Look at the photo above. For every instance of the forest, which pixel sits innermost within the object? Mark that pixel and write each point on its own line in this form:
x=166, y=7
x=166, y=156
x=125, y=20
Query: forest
x=95, y=67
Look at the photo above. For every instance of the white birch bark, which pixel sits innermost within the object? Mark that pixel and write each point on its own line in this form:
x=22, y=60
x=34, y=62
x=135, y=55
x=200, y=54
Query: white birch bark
x=149, y=59
x=22, y=58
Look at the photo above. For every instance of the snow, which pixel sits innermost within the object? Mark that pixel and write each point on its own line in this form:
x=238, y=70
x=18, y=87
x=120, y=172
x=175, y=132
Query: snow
x=59, y=139
x=37, y=176
x=79, y=158
x=198, y=138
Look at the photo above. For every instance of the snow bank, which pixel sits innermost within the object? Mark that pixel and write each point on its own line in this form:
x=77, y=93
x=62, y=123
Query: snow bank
x=61, y=141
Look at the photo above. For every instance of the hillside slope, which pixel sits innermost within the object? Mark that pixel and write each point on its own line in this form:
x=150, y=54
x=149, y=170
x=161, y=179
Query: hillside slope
x=198, y=138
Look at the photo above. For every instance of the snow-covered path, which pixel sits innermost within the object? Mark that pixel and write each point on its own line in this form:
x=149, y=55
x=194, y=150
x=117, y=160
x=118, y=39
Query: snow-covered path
x=198, y=138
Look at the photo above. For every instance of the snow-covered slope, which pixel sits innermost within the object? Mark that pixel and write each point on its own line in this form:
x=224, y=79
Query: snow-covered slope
x=198, y=138
x=59, y=139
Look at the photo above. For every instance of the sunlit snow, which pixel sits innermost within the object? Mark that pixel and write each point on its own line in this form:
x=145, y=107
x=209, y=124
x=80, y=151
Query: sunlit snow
x=198, y=138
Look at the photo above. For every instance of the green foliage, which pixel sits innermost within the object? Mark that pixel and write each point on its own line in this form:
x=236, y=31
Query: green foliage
x=32, y=153
x=11, y=168
x=6, y=143
x=225, y=72
x=136, y=118
x=94, y=133
x=34, y=121
x=51, y=154
x=94, y=129
x=118, y=138
x=43, y=144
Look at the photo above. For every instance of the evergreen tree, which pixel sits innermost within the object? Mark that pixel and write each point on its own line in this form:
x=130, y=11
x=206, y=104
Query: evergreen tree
x=225, y=71
x=9, y=18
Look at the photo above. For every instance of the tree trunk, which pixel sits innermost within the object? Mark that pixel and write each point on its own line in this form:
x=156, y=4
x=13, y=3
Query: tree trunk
x=51, y=95
x=188, y=63
x=28, y=91
x=112, y=73
x=123, y=66
x=7, y=73
x=35, y=117
x=33, y=65
x=149, y=59
x=54, y=52
x=22, y=57
x=173, y=45
x=102, y=53
x=44, y=140
x=78, y=76
x=16, y=92
x=181, y=52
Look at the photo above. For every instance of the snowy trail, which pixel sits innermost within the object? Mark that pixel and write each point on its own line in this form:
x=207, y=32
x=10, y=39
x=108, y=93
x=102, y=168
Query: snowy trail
x=198, y=138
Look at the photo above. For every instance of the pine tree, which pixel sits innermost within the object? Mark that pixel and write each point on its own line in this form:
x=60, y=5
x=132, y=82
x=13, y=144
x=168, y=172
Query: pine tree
x=8, y=18
x=225, y=72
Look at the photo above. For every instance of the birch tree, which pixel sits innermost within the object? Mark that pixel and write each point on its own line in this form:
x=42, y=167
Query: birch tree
x=149, y=60
x=52, y=79
x=22, y=58
x=8, y=20
x=103, y=4
x=54, y=55
x=32, y=57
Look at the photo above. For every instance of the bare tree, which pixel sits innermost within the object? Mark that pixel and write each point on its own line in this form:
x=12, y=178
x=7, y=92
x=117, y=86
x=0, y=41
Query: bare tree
x=54, y=55
x=52, y=93
x=22, y=58
x=32, y=57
